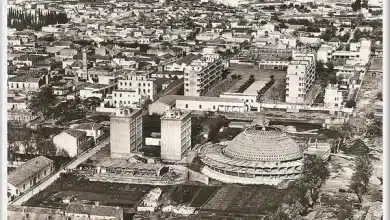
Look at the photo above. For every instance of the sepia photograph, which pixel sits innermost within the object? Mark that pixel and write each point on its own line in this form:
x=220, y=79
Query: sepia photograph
x=194, y=110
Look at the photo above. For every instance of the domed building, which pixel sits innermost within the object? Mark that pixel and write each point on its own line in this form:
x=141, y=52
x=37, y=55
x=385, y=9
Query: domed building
x=258, y=155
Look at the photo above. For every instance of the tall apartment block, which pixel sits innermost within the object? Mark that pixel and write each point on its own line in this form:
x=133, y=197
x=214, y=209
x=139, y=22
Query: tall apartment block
x=300, y=77
x=175, y=135
x=202, y=74
x=125, y=132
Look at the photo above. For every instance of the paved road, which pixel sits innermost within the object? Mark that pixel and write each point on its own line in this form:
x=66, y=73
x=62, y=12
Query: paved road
x=51, y=179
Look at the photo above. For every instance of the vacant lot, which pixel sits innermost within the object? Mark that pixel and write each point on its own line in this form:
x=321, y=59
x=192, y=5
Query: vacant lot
x=228, y=200
x=69, y=185
x=246, y=199
x=247, y=70
x=222, y=87
x=192, y=195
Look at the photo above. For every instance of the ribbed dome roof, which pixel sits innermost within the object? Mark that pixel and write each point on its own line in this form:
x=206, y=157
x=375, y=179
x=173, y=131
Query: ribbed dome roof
x=263, y=145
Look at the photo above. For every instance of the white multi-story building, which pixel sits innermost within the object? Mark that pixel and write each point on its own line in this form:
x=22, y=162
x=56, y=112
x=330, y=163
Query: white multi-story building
x=324, y=53
x=175, y=135
x=358, y=51
x=125, y=132
x=333, y=96
x=134, y=89
x=300, y=77
x=202, y=74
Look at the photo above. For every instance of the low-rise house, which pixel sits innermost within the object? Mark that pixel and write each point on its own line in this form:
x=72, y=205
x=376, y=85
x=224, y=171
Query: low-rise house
x=93, y=130
x=207, y=36
x=15, y=103
x=73, y=212
x=66, y=53
x=97, y=90
x=29, y=174
x=376, y=67
x=150, y=201
x=196, y=103
x=180, y=65
x=62, y=89
x=25, y=83
x=57, y=46
x=32, y=213
x=333, y=96
x=72, y=141
x=93, y=212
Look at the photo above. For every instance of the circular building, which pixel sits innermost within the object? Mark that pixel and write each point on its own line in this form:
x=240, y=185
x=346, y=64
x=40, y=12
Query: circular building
x=258, y=155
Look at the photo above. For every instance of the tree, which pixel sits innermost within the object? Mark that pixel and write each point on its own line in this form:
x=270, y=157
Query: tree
x=356, y=5
x=25, y=137
x=320, y=67
x=146, y=103
x=345, y=214
x=346, y=131
x=283, y=25
x=348, y=47
x=12, y=137
x=288, y=212
x=374, y=129
x=42, y=102
x=357, y=35
x=315, y=173
x=350, y=104
x=274, y=96
x=278, y=92
x=328, y=34
x=379, y=96
x=361, y=176
x=63, y=153
x=46, y=147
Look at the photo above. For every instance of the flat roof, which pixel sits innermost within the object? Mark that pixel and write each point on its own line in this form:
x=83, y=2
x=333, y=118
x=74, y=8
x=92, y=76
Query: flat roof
x=125, y=164
x=376, y=64
x=94, y=210
x=207, y=99
x=170, y=99
x=255, y=87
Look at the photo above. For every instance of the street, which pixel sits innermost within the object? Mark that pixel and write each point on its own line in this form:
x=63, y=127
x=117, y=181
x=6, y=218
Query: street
x=51, y=179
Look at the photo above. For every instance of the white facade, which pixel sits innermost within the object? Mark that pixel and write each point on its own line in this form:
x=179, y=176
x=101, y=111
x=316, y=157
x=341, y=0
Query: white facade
x=213, y=104
x=107, y=79
x=142, y=84
x=134, y=90
x=125, y=132
x=30, y=86
x=207, y=36
x=29, y=174
x=324, y=54
x=150, y=202
x=300, y=77
x=175, y=135
x=125, y=98
x=71, y=144
x=247, y=98
x=333, y=96
x=358, y=51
